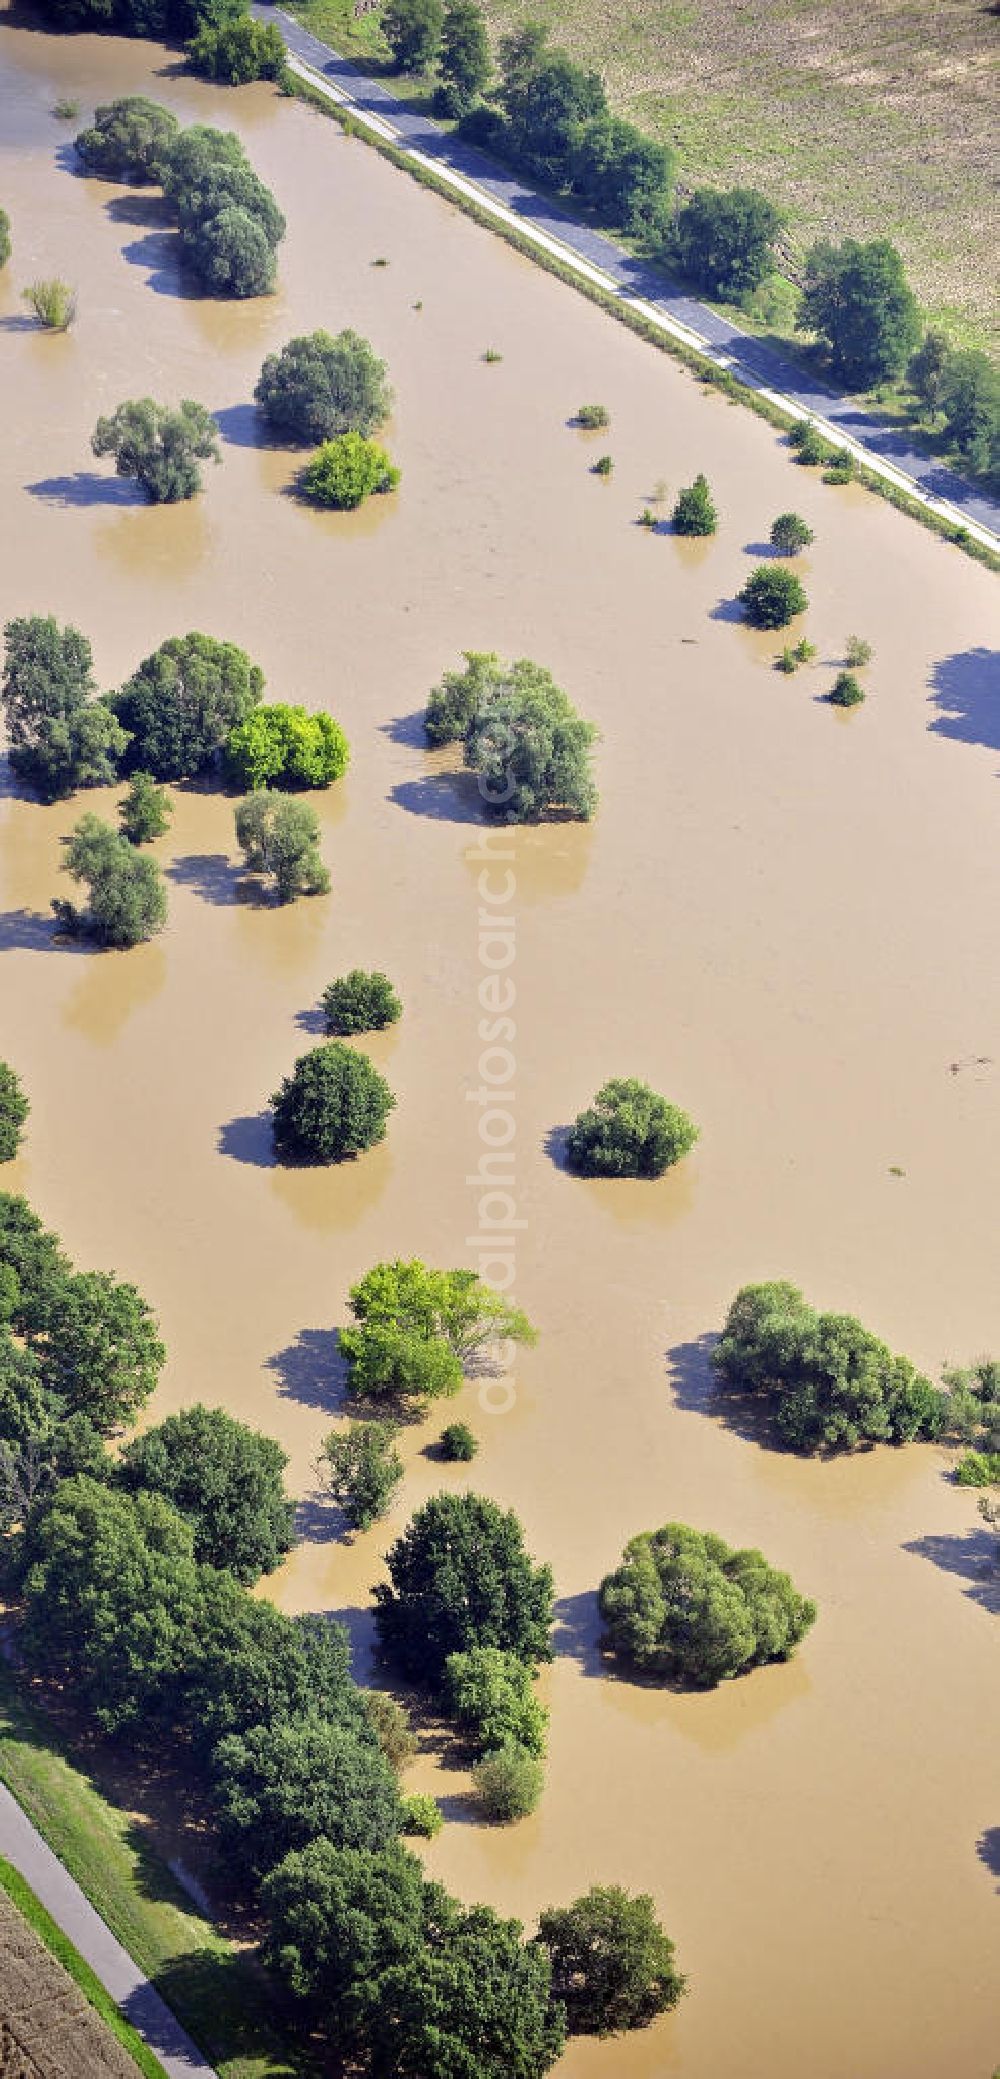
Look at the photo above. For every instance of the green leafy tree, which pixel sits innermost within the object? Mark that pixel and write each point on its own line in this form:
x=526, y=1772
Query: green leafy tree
x=970, y=400
x=110, y=1589
x=622, y=175
x=346, y=471
x=973, y=1404
x=390, y=1722
x=218, y=185
x=126, y=899
x=6, y=248
x=360, y=1468
x=360, y=1002
x=226, y=1480
x=279, y=839
x=548, y=100
x=629, y=1131
x=14, y=1109
x=412, y=30
x=613, y=1967
x=159, y=446
x=474, y=2000
x=771, y=598
x=857, y=301
x=60, y=737
x=146, y=810
x=422, y=1815
x=418, y=1329
x=453, y=706
x=927, y=370
x=508, y=1783
x=827, y=1382
x=278, y=1787
x=332, y=1106
x=321, y=386
x=32, y=1266
x=491, y=1695
x=129, y=139
x=724, y=240
x=53, y=302
x=182, y=703
x=39, y=1443
x=457, y=1442
x=464, y=57
x=232, y=253
x=100, y=1349
x=283, y=746
x=238, y=52
x=193, y=154
x=249, y=1664
x=694, y=512
x=846, y=691
x=687, y=1608
x=460, y=1577
x=337, y=1920
x=790, y=533
x=529, y=748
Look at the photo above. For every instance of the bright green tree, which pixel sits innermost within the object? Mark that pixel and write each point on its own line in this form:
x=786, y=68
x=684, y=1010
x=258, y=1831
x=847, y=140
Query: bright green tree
x=346, y=471
x=282, y=746
x=491, y=1695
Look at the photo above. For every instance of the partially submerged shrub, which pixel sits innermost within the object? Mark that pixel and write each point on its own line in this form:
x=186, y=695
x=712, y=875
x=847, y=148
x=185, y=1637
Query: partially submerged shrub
x=6, y=248
x=345, y=471
x=846, y=691
x=857, y=652
x=278, y=745
x=771, y=598
x=612, y=1964
x=491, y=1696
x=508, y=1783
x=593, y=415
x=629, y=1131
x=809, y=444
x=360, y=1468
x=978, y=1469
x=145, y=811
x=826, y=1381
x=332, y=1106
x=790, y=533
x=457, y=1443
x=53, y=302
x=422, y=1815
x=126, y=898
x=684, y=1606
x=279, y=839
x=159, y=446
x=360, y=1002
x=603, y=466
x=238, y=51
x=694, y=512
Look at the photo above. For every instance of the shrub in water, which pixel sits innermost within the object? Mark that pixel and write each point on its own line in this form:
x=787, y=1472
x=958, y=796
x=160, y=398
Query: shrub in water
x=333, y=1105
x=790, y=533
x=771, y=598
x=458, y=1442
x=694, y=512
x=53, y=302
x=347, y=470
x=845, y=691
x=360, y=1002
x=629, y=1131
x=593, y=415
x=14, y=1109
x=508, y=1783
x=422, y=1815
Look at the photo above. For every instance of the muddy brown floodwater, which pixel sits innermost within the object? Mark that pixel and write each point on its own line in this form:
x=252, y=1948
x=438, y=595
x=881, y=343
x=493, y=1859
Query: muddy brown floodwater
x=786, y=919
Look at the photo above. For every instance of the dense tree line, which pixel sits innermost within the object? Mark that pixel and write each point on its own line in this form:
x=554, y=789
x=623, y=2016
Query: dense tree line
x=131, y=1576
x=229, y=222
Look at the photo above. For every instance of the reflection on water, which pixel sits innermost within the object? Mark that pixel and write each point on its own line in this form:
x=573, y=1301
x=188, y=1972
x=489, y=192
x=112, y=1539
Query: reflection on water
x=789, y=931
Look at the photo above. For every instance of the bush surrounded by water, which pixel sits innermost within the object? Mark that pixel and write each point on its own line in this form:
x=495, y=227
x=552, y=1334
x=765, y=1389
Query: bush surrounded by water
x=628, y=1131
x=684, y=1606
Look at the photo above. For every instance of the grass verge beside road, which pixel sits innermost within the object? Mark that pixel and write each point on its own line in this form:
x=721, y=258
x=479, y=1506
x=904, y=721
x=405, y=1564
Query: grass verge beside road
x=213, y=1988
x=60, y=1946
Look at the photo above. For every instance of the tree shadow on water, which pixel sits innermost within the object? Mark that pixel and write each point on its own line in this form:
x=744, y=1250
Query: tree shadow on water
x=249, y=1140
x=147, y=210
x=971, y=1556
x=988, y=1849
x=87, y=487
x=578, y=1630
x=447, y=797
x=698, y=1389
x=407, y=729
x=312, y=1371
x=243, y=426
x=965, y=689
x=209, y=874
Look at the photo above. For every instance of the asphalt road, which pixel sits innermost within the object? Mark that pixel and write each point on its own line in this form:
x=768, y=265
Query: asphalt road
x=62, y=1898
x=749, y=358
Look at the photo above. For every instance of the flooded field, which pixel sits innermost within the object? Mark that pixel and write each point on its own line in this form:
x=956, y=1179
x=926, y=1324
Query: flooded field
x=786, y=919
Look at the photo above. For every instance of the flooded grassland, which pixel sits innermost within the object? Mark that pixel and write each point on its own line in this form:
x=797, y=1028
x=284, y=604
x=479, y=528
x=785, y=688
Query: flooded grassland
x=786, y=919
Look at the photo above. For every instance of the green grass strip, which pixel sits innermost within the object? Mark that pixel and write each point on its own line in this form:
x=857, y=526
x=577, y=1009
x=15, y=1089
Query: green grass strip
x=216, y=1991
x=716, y=378
x=60, y=1946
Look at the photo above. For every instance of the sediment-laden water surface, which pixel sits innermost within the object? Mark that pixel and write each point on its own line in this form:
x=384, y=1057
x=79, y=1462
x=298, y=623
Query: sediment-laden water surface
x=785, y=919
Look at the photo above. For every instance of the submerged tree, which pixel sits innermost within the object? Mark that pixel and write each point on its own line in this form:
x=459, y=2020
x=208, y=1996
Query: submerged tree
x=159, y=446
x=181, y=704
x=771, y=598
x=612, y=1964
x=827, y=1382
x=129, y=140
x=419, y=1329
x=522, y=737
x=60, y=736
x=360, y=1002
x=14, y=1109
x=684, y=1606
x=283, y=746
x=332, y=1106
x=346, y=471
x=126, y=900
x=459, y=1577
x=145, y=811
x=360, y=1468
x=629, y=1131
x=279, y=840
x=694, y=512
x=320, y=386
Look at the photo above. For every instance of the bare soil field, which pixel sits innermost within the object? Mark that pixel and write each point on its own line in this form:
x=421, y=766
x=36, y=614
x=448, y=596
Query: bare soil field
x=47, y=2028
x=862, y=120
